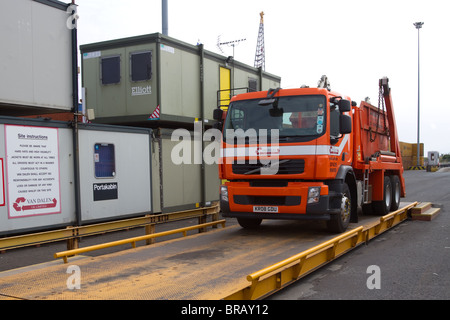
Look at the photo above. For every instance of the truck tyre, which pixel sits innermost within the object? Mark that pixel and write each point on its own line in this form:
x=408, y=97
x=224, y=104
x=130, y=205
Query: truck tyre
x=382, y=208
x=395, y=183
x=339, y=222
x=248, y=223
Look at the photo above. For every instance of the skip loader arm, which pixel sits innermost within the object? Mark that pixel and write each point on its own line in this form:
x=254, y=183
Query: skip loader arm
x=394, y=142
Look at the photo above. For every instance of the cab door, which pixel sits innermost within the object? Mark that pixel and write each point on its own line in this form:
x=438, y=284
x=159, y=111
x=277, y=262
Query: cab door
x=340, y=132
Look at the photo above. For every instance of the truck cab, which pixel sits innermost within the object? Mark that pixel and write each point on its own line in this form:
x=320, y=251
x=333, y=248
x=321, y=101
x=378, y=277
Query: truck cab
x=285, y=155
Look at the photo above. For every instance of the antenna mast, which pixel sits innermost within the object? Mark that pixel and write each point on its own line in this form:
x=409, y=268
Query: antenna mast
x=233, y=43
x=260, y=56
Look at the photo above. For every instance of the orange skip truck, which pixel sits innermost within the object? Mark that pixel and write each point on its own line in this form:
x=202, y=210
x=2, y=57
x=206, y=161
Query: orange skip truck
x=308, y=153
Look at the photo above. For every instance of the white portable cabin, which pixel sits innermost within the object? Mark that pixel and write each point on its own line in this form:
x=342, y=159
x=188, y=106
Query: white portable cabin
x=39, y=183
x=38, y=72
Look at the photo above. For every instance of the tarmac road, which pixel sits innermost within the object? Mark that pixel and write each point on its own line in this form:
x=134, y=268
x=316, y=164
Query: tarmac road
x=412, y=260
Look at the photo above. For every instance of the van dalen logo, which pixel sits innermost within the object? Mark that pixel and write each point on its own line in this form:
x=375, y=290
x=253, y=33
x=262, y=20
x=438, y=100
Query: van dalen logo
x=23, y=204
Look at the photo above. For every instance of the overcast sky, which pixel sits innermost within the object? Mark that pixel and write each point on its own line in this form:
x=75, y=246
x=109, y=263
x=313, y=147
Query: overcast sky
x=354, y=43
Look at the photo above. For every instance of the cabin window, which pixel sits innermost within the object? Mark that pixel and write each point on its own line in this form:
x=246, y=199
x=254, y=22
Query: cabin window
x=104, y=159
x=110, y=70
x=252, y=85
x=141, y=66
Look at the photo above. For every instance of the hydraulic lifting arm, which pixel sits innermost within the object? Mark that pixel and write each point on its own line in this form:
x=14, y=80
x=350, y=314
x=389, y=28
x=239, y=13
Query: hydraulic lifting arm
x=394, y=142
x=393, y=135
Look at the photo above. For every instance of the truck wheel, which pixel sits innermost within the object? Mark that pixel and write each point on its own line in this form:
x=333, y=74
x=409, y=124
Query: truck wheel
x=247, y=223
x=339, y=222
x=395, y=183
x=382, y=208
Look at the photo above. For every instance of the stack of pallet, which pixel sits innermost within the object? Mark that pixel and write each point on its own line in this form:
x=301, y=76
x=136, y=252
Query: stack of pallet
x=409, y=155
x=425, y=211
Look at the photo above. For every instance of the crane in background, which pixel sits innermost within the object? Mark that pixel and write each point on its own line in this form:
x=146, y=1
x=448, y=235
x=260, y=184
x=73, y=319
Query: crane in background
x=260, y=57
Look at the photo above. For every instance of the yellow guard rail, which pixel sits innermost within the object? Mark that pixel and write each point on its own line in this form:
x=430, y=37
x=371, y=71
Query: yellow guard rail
x=67, y=253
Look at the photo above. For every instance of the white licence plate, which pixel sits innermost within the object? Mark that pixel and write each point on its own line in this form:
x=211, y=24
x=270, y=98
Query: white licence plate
x=265, y=209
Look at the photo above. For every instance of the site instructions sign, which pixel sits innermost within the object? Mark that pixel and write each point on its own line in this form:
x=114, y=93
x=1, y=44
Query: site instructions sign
x=32, y=170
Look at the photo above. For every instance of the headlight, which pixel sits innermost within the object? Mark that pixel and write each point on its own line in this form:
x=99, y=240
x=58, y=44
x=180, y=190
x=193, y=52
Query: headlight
x=224, y=193
x=313, y=194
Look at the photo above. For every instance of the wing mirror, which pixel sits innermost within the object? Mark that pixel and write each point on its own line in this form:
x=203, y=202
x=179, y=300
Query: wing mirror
x=344, y=105
x=345, y=124
x=218, y=114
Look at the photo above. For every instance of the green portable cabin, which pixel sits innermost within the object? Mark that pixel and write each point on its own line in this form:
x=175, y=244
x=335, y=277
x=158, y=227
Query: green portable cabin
x=156, y=77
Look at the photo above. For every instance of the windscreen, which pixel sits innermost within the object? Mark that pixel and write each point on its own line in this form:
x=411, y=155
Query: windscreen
x=297, y=118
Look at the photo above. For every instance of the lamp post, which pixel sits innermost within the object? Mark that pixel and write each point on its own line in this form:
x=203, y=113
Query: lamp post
x=418, y=26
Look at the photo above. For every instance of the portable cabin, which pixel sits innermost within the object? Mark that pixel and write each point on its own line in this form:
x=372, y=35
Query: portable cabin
x=38, y=73
x=156, y=77
x=43, y=186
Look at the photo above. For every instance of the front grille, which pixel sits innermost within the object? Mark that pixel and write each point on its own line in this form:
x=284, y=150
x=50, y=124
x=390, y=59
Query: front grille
x=267, y=200
x=294, y=166
x=269, y=183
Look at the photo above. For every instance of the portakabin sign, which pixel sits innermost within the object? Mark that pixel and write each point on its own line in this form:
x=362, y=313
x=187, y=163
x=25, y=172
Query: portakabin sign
x=105, y=191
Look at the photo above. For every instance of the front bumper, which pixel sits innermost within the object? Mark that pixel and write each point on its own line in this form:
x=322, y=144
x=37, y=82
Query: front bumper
x=289, y=202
